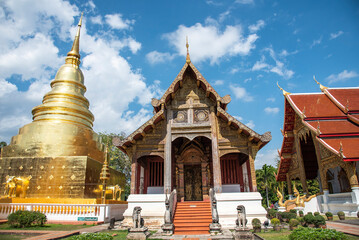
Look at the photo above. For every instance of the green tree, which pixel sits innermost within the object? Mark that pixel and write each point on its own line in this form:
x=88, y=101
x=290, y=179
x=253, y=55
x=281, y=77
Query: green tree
x=117, y=159
x=2, y=144
x=267, y=182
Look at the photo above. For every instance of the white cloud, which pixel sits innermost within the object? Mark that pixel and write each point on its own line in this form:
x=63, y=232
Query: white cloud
x=238, y=118
x=218, y=82
x=256, y=27
x=6, y=87
x=335, y=35
x=316, y=42
x=250, y=124
x=209, y=42
x=268, y=157
x=115, y=21
x=341, y=76
x=155, y=57
x=279, y=67
x=234, y=70
x=96, y=20
x=270, y=99
x=241, y=93
x=247, y=80
x=244, y=1
x=285, y=53
x=271, y=110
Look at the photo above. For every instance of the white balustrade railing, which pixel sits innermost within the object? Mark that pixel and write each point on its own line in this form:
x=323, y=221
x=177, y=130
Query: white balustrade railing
x=68, y=212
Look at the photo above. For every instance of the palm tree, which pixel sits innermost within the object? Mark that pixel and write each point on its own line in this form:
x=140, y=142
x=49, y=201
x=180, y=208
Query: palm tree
x=267, y=177
x=2, y=144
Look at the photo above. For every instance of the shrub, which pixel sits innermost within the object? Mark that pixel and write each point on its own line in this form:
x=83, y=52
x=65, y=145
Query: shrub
x=293, y=222
x=308, y=219
x=92, y=236
x=300, y=220
x=316, y=234
x=310, y=213
x=293, y=211
x=288, y=215
x=329, y=214
x=341, y=213
x=275, y=221
x=256, y=222
x=271, y=213
x=318, y=220
x=316, y=213
x=301, y=212
x=23, y=218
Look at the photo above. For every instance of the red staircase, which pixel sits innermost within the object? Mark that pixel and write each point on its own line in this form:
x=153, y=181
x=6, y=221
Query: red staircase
x=192, y=218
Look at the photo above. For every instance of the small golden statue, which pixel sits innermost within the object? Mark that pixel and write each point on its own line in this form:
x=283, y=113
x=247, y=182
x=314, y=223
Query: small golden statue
x=16, y=186
x=299, y=201
x=113, y=190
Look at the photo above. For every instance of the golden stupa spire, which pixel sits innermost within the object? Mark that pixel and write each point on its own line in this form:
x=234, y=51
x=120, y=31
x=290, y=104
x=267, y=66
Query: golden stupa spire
x=66, y=101
x=285, y=93
x=74, y=55
x=188, y=59
x=322, y=88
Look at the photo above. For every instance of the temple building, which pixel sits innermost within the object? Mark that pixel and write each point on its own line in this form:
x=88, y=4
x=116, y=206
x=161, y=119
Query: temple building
x=57, y=155
x=192, y=144
x=321, y=141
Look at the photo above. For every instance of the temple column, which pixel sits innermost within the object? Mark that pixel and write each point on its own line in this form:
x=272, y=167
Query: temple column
x=303, y=178
x=245, y=177
x=133, y=170
x=168, y=156
x=322, y=173
x=252, y=168
x=217, y=180
x=290, y=189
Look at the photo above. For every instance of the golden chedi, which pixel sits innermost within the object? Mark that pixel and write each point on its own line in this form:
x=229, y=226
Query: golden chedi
x=59, y=151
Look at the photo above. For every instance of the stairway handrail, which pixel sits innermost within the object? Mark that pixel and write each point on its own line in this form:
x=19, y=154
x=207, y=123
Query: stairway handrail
x=212, y=195
x=173, y=203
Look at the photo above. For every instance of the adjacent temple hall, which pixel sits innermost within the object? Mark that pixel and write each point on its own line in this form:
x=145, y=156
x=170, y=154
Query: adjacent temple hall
x=320, y=141
x=192, y=144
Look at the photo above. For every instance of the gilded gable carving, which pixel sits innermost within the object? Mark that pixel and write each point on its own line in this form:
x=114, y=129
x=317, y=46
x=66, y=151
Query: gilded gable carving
x=180, y=116
x=190, y=96
x=201, y=116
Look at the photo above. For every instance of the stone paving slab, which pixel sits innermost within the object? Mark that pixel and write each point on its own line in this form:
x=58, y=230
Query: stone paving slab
x=344, y=227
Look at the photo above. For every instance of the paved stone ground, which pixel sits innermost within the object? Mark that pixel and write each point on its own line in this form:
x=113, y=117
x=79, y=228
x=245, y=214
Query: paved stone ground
x=344, y=227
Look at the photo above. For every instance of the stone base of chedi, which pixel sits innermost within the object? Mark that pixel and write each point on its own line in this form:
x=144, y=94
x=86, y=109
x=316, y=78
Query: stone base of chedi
x=55, y=177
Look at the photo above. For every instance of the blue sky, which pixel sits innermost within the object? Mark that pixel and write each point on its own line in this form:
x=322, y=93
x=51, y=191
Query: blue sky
x=132, y=51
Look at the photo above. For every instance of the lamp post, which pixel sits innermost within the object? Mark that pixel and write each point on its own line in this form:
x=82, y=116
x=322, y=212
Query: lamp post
x=104, y=176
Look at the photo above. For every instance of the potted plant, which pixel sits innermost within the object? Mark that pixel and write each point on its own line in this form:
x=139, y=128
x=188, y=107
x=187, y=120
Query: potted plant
x=329, y=216
x=293, y=224
x=316, y=213
x=256, y=224
x=276, y=224
x=301, y=221
x=309, y=220
x=301, y=214
x=341, y=215
x=319, y=221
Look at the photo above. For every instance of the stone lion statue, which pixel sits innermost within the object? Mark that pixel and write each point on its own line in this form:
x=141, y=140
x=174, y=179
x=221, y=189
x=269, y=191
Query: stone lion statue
x=138, y=222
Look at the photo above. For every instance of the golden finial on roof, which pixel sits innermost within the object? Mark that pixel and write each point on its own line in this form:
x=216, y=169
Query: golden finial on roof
x=74, y=55
x=285, y=93
x=188, y=59
x=320, y=85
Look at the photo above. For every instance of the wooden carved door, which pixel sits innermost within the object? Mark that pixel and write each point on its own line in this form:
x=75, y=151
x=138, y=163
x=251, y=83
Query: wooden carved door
x=193, y=183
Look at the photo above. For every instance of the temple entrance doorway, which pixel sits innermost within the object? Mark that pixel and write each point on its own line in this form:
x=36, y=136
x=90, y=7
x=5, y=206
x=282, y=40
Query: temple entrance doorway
x=192, y=165
x=193, y=183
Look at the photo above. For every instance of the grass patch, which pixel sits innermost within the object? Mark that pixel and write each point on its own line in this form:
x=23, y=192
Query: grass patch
x=13, y=236
x=336, y=218
x=284, y=235
x=47, y=227
x=274, y=235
